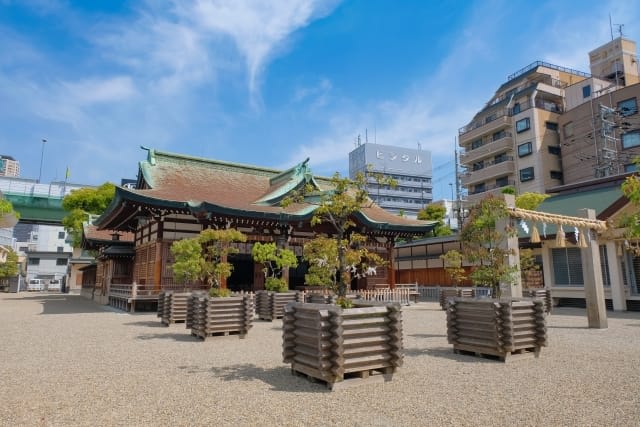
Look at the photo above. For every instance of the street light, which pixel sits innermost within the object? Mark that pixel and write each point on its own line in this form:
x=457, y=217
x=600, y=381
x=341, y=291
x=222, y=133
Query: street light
x=41, y=160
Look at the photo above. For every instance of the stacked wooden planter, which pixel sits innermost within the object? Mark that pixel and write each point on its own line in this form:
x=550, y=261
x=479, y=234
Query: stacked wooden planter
x=220, y=316
x=331, y=344
x=543, y=294
x=447, y=293
x=161, y=296
x=505, y=328
x=270, y=305
x=318, y=298
x=174, y=307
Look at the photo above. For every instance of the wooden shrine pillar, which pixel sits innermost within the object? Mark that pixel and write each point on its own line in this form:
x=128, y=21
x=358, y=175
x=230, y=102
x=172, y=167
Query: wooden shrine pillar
x=391, y=271
x=592, y=274
x=514, y=287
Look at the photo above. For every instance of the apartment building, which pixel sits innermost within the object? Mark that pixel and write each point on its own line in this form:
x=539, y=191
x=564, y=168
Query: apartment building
x=9, y=166
x=513, y=141
x=549, y=125
x=410, y=168
x=600, y=131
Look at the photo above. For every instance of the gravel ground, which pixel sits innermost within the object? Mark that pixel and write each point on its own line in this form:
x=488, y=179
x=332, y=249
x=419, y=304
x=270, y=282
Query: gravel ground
x=67, y=361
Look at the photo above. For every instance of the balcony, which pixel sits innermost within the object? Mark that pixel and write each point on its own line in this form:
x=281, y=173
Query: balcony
x=473, y=198
x=505, y=167
x=489, y=125
x=488, y=149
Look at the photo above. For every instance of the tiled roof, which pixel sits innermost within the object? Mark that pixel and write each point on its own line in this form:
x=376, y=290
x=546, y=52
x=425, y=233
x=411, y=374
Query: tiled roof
x=92, y=233
x=185, y=183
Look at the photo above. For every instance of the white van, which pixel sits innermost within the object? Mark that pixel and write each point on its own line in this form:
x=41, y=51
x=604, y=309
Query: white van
x=34, y=285
x=54, y=285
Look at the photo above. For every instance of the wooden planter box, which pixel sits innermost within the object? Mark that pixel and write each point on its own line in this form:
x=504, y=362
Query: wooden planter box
x=317, y=298
x=220, y=316
x=174, y=307
x=506, y=328
x=447, y=293
x=343, y=346
x=270, y=305
x=543, y=294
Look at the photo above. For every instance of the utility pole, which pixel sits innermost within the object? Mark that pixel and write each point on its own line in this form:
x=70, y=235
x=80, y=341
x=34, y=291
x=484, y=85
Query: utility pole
x=41, y=160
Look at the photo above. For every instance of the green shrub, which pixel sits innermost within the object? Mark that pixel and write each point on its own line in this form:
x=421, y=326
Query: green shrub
x=219, y=292
x=276, y=284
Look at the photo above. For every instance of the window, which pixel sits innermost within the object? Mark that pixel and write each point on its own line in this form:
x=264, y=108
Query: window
x=34, y=261
x=628, y=107
x=502, y=182
x=526, y=174
x=498, y=135
x=568, y=129
x=500, y=158
x=630, y=167
x=490, y=118
x=554, y=149
x=525, y=149
x=23, y=248
x=552, y=126
x=556, y=175
x=567, y=267
x=61, y=235
x=522, y=125
x=476, y=144
x=61, y=261
x=60, y=249
x=516, y=108
x=630, y=139
x=478, y=165
x=479, y=188
x=586, y=91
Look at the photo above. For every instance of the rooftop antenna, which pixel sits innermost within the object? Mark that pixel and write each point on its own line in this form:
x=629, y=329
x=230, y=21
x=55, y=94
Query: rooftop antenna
x=366, y=135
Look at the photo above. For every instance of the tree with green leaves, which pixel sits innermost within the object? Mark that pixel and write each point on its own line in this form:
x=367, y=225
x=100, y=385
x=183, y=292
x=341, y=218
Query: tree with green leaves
x=484, y=244
x=631, y=189
x=10, y=267
x=530, y=201
x=8, y=216
x=436, y=212
x=204, y=258
x=83, y=202
x=336, y=208
x=453, y=266
x=274, y=260
x=324, y=262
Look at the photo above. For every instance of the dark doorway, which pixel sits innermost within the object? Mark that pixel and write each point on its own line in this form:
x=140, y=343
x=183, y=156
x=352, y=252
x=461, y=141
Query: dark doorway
x=241, y=278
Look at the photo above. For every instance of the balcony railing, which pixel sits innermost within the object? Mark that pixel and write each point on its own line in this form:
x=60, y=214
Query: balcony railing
x=537, y=64
x=487, y=148
x=488, y=188
x=485, y=121
x=491, y=170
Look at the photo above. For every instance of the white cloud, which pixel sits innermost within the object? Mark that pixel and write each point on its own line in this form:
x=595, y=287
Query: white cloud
x=94, y=91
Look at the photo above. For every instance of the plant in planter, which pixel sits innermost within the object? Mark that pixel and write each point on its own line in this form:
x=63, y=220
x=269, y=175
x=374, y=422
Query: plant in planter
x=270, y=303
x=333, y=342
x=204, y=258
x=453, y=267
x=500, y=327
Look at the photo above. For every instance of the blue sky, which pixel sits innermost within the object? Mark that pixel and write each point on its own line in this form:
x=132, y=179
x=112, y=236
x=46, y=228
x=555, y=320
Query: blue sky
x=267, y=82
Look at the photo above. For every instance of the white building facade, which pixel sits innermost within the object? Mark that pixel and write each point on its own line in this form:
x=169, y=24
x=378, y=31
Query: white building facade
x=410, y=168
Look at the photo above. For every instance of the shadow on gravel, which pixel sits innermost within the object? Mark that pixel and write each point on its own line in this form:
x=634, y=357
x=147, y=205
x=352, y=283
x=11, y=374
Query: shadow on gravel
x=444, y=353
x=567, y=327
x=280, y=379
x=63, y=304
x=149, y=323
x=427, y=335
x=184, y=337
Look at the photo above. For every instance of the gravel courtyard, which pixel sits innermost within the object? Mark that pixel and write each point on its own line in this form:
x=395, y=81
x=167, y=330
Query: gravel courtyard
x=66, y=361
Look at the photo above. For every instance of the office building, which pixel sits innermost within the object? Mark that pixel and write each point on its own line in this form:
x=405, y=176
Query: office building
x=9, y=166
x=410, y=168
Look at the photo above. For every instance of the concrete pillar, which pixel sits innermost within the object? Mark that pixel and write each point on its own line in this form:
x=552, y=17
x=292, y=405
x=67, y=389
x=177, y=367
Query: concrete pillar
x=592, y=274
x=510, y=244
x=615, y=275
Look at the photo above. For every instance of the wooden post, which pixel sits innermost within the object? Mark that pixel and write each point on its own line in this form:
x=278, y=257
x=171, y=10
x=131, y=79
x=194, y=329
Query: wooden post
x=514, y=287
x=391, y=271
x=615, y=271
x=592, y=274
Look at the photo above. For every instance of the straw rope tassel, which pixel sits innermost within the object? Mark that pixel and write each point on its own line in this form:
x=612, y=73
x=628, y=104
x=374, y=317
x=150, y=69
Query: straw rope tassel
x=582, y=241
x=535, y=235
x=560, y=237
